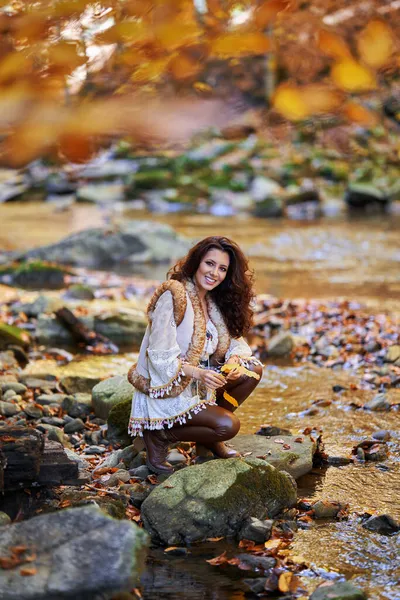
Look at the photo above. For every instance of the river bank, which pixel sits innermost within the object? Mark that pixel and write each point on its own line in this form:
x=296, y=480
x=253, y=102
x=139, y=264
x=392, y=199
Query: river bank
x=316, y=273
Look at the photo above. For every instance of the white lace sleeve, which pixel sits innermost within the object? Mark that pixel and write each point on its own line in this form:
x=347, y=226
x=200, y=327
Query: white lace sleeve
x=163, y=352
x=238, y=347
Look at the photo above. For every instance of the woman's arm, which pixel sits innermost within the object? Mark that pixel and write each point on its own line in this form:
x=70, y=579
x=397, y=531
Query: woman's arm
x=163, y=352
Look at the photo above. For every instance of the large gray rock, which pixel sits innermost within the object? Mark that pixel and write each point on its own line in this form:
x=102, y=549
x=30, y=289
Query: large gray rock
x=296, y=460
x=343, y=590
x=134, y=242
x=81, y=554
x=110, y=392
x=122, y=328
x=280, y=345
x=215, y=499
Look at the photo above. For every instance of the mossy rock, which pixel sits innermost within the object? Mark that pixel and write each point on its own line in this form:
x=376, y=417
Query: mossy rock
x=215, y=498
x=297, y=460
x=9, y=334
x=79, y=291
x=118, y=421
x=343, y=590
x=35, y=274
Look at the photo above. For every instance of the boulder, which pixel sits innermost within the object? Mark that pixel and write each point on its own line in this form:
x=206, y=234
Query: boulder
x=122, y=327
x=379, y=402
x=73, y=384
x=393, y=354
x=215, y=499
x=131, y=242
x=361, y=196
x=256, y=530
x=109, y=393
x=296, y=460
x=80, y=554
x=118, y=421
x=280, y=345
x=270, y=208
x=384, y=524
x=343, y=590
x=9, y=334
x=263, y=188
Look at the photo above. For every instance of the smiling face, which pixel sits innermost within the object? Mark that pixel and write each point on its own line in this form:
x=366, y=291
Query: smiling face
x=212, y=270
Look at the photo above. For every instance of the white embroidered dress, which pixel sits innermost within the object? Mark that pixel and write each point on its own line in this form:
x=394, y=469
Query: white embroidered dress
x=160, y=359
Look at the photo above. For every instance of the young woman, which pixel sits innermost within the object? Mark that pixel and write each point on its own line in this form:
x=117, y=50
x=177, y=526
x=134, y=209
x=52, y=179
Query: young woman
x=196, y=322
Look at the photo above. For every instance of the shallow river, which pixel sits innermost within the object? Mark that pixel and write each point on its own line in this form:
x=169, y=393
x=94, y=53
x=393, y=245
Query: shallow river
x=329, y=259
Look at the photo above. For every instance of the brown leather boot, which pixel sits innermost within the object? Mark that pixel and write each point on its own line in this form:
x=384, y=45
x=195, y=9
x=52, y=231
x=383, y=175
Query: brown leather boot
x=221, y=450
x=156, y=451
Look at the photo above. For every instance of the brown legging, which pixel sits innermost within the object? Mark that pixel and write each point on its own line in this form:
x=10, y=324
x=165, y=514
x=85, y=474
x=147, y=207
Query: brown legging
x=217, y=423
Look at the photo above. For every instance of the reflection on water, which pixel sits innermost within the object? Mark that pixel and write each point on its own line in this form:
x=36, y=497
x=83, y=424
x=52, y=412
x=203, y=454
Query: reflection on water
x=326, y=258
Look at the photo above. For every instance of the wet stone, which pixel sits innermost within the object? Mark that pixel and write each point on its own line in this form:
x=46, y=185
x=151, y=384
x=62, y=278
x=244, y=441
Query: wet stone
x=74, y=426
x=384, y=524
x=117, y=477
x=7, y=409
x=271, y=430
x=378, y=403
x=382, y=435
x=140, y=472
x=138, y=493
x=35, y=412
x=176, y=458
x=4, y=519
x=8, y=395
x=256, y=530
x=325, y=509
x=256, y=585
x=95, y=450
x=57, y=421
x=338, y=591
x=51, y=399
x=257, y=563
x=18, y=388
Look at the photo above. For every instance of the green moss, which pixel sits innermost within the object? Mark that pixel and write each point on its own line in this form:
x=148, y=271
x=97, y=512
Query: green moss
x=120, y=413
x=252, y=490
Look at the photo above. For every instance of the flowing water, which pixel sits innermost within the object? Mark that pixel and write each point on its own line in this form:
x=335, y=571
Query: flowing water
x=325, y=259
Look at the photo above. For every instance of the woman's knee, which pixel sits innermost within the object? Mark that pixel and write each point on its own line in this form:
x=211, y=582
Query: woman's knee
x=227, y=426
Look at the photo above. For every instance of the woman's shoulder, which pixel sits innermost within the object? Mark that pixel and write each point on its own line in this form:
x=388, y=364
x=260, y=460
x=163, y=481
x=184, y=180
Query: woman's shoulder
x=177, y=291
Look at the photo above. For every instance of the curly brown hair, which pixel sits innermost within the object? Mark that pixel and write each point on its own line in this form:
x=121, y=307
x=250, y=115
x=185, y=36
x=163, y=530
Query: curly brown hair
x=235, y=293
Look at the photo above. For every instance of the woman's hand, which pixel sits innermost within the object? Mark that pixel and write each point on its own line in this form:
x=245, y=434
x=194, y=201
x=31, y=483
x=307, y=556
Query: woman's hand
x=211, y=379
x=234, y=374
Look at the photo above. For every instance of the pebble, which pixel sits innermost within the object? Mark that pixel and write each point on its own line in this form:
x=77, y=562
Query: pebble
x=8, y=395
x=57, y=421
x=74, y=426
x=33, y=411
x=51, y=399
x=116, y=477
x=384, y=524
x=378, y=403
x=4, y=519
x=176, y=458
x=18, y=388
x=326, y=509
x=94, y=450
x=382, y=435
x=271, y=430
x=338, y=388
x=140, y=472
x=256, y=530
x=7, y=409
